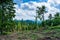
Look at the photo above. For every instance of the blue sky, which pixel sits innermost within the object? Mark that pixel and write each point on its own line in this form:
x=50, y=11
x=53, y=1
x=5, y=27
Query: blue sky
x=23, y=1
x=26, y=9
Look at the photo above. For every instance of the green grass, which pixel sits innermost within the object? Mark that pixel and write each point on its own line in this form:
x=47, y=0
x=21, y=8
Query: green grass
x=53, y=31
x=54, y=27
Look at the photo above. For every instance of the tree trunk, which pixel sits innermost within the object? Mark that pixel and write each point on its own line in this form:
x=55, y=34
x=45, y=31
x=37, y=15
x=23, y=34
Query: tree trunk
x=43, y=20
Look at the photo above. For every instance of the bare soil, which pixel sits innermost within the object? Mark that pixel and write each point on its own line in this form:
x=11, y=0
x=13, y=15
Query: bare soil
x=28, y=35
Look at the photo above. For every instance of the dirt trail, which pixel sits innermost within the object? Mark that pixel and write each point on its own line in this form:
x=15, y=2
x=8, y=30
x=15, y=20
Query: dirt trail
x=27, y=36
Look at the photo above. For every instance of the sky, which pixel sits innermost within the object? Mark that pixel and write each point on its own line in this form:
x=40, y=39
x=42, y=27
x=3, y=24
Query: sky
x=26, y=9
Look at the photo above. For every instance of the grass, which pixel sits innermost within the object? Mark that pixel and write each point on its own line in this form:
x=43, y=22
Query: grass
x=53, y=31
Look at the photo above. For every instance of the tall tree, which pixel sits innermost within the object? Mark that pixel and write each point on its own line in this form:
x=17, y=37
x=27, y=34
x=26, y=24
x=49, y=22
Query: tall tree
x=41, y=11
x=7, y=13
x=50, y=19
x=50, y=16
x=57, y=15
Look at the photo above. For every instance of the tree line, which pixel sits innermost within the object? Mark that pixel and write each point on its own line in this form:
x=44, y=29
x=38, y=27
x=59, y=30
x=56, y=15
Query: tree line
x=51, y=21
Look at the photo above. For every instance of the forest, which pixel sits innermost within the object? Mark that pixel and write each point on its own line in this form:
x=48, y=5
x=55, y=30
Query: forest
x=13, y=29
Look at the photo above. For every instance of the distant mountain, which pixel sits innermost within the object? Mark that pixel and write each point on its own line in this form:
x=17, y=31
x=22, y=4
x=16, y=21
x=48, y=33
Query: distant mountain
x=27, y=21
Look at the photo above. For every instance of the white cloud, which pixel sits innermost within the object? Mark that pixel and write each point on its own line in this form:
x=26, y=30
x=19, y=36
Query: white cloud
x=29, y=14
x=54, y=1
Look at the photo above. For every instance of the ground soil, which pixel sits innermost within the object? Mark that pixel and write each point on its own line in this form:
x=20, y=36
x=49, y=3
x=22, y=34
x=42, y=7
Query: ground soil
x=28, y=35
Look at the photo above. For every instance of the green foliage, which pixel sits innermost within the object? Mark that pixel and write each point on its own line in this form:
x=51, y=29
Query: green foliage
x=53, y=21
x=6, y=16
x=57, y=15
x=41, y=11
x=56, y=22
x=21, y=25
